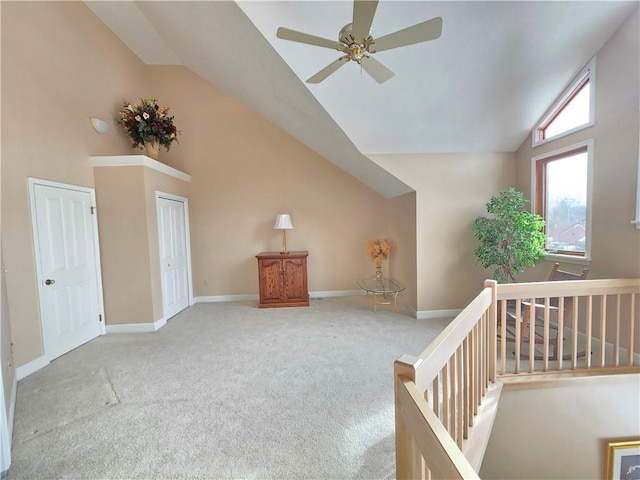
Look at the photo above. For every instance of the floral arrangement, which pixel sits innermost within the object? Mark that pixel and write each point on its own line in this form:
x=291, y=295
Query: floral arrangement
x=148, y=122
x=378, y=250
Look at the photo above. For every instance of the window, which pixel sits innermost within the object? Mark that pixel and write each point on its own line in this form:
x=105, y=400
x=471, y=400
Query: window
x=573, y=111
x=562, y=196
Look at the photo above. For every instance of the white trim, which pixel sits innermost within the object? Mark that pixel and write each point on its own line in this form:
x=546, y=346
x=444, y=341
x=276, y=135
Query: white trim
x=588, y=70
x=187, y=228
x=430, y=314
x=32, y=182
x=334, y=293
x=225, y=298
x=5, y=437
x=254, y=296
x=136, y=161
x=556, y=257
x=412, y=311
x=33, y=366
x=583, y=260
x=137, y=327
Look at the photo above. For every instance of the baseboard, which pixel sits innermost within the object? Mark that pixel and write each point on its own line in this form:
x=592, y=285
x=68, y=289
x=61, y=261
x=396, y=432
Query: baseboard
x=31, y=367
x=225, y=298
x=334, y=293
x=429, y=314
x=255, y=297
x=404, y=304
x=137, y=327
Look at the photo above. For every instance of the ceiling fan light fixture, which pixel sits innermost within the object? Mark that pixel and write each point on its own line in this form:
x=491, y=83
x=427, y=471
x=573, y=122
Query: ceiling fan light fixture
x=358, y=49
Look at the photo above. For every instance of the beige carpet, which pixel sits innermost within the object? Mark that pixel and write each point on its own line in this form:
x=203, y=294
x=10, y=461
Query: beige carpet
x=225, y=390
x=54, y=404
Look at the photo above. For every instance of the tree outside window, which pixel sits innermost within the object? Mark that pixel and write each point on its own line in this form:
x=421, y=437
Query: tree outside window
x=562, y=199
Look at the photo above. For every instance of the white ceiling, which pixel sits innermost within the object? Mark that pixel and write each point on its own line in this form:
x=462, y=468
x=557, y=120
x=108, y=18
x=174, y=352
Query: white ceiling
x=480, y=87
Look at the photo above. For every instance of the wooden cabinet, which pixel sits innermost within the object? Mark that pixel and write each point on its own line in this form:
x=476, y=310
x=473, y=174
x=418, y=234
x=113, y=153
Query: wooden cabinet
x=283, y=279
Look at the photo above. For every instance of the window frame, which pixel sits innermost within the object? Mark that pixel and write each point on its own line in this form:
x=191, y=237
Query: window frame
x=538, y=200
x=587, y=74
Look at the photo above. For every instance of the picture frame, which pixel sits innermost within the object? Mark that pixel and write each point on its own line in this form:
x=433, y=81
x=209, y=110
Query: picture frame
x=623, y=460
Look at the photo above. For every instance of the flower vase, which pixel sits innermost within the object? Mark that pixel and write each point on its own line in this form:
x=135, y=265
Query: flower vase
x=152, y=147
x=379, y=274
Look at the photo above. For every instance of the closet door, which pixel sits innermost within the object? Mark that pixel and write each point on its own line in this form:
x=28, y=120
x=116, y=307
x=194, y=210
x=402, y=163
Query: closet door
x=174, y=258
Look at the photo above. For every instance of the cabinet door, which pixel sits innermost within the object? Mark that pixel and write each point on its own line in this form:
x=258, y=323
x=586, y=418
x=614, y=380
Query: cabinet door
x=271, y=285
x=295, y=280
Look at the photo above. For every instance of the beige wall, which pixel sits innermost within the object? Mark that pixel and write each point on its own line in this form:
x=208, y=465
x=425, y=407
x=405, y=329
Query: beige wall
x=562, y=431
x=615, y=241
x=452, y=190
x=124, y=246
x=128, y=229
x=6, y=356
x=615, y=248
x=402, y=230
x=244, y=172
x=60, y=65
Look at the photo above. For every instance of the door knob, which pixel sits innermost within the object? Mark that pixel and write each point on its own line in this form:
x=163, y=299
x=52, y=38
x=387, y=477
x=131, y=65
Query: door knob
x=49, y=281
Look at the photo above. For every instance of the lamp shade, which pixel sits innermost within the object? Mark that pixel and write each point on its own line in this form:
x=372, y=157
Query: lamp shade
x=283, y=222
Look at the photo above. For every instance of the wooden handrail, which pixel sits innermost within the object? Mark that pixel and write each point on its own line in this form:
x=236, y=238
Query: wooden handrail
x=568, y=288
x=440, y=392
x=440, y=350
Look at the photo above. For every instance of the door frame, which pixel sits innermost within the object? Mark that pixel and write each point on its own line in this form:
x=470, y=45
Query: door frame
x=187, y=231
x=33, y=183
x=5, y=441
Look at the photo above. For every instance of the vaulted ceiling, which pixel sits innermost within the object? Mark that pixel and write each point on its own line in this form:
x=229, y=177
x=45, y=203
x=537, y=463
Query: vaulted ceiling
x=480, y=87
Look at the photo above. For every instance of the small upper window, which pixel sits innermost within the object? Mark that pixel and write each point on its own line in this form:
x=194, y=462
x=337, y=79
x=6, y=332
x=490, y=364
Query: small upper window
x=573, y=111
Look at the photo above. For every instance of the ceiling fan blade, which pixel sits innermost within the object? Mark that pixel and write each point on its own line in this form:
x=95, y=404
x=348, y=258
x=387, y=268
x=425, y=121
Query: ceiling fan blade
x=328, y=70
x=422, y=32
x=363, y=13
x=287, y=34
x=378, y=71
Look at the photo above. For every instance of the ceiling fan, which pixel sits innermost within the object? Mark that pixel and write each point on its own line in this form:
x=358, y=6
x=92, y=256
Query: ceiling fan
x=356, y=42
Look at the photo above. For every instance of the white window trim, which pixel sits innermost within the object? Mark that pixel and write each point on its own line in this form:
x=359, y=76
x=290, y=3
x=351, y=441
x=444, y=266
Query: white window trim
x=587, y=246
x=590, y=70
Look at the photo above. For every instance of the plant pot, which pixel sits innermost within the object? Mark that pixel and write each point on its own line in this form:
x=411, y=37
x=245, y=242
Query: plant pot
x=152, y=147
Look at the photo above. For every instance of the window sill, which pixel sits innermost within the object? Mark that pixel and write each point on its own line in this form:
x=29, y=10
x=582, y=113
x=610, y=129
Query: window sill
x=636, y=222
x=555, y=257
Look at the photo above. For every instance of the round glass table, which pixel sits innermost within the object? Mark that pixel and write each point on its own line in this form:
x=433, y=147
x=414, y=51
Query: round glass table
x=383, y=288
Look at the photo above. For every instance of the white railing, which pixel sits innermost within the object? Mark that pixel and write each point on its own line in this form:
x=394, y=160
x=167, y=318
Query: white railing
x=447, y=397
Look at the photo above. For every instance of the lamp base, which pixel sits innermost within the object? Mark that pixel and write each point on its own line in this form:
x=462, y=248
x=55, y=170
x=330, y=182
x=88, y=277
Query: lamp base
x=285, y=253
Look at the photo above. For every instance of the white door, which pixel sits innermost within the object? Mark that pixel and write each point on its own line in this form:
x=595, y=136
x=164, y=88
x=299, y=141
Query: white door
x=68, y=270
x=174, y=258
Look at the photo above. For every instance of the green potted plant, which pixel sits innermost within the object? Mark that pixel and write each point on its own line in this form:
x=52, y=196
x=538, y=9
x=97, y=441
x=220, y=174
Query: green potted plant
x=512, y=240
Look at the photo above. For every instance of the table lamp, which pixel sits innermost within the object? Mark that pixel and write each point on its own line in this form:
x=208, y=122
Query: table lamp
x=283, y=222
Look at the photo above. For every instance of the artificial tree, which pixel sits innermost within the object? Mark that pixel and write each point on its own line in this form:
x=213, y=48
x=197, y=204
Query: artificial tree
x=510, y=241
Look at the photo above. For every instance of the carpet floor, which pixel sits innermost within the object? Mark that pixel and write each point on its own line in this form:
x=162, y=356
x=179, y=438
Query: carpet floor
x=224, y=390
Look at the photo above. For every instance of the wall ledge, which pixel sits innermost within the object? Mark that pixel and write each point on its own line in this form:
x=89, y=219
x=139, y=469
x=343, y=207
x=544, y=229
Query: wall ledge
x=138, y=160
